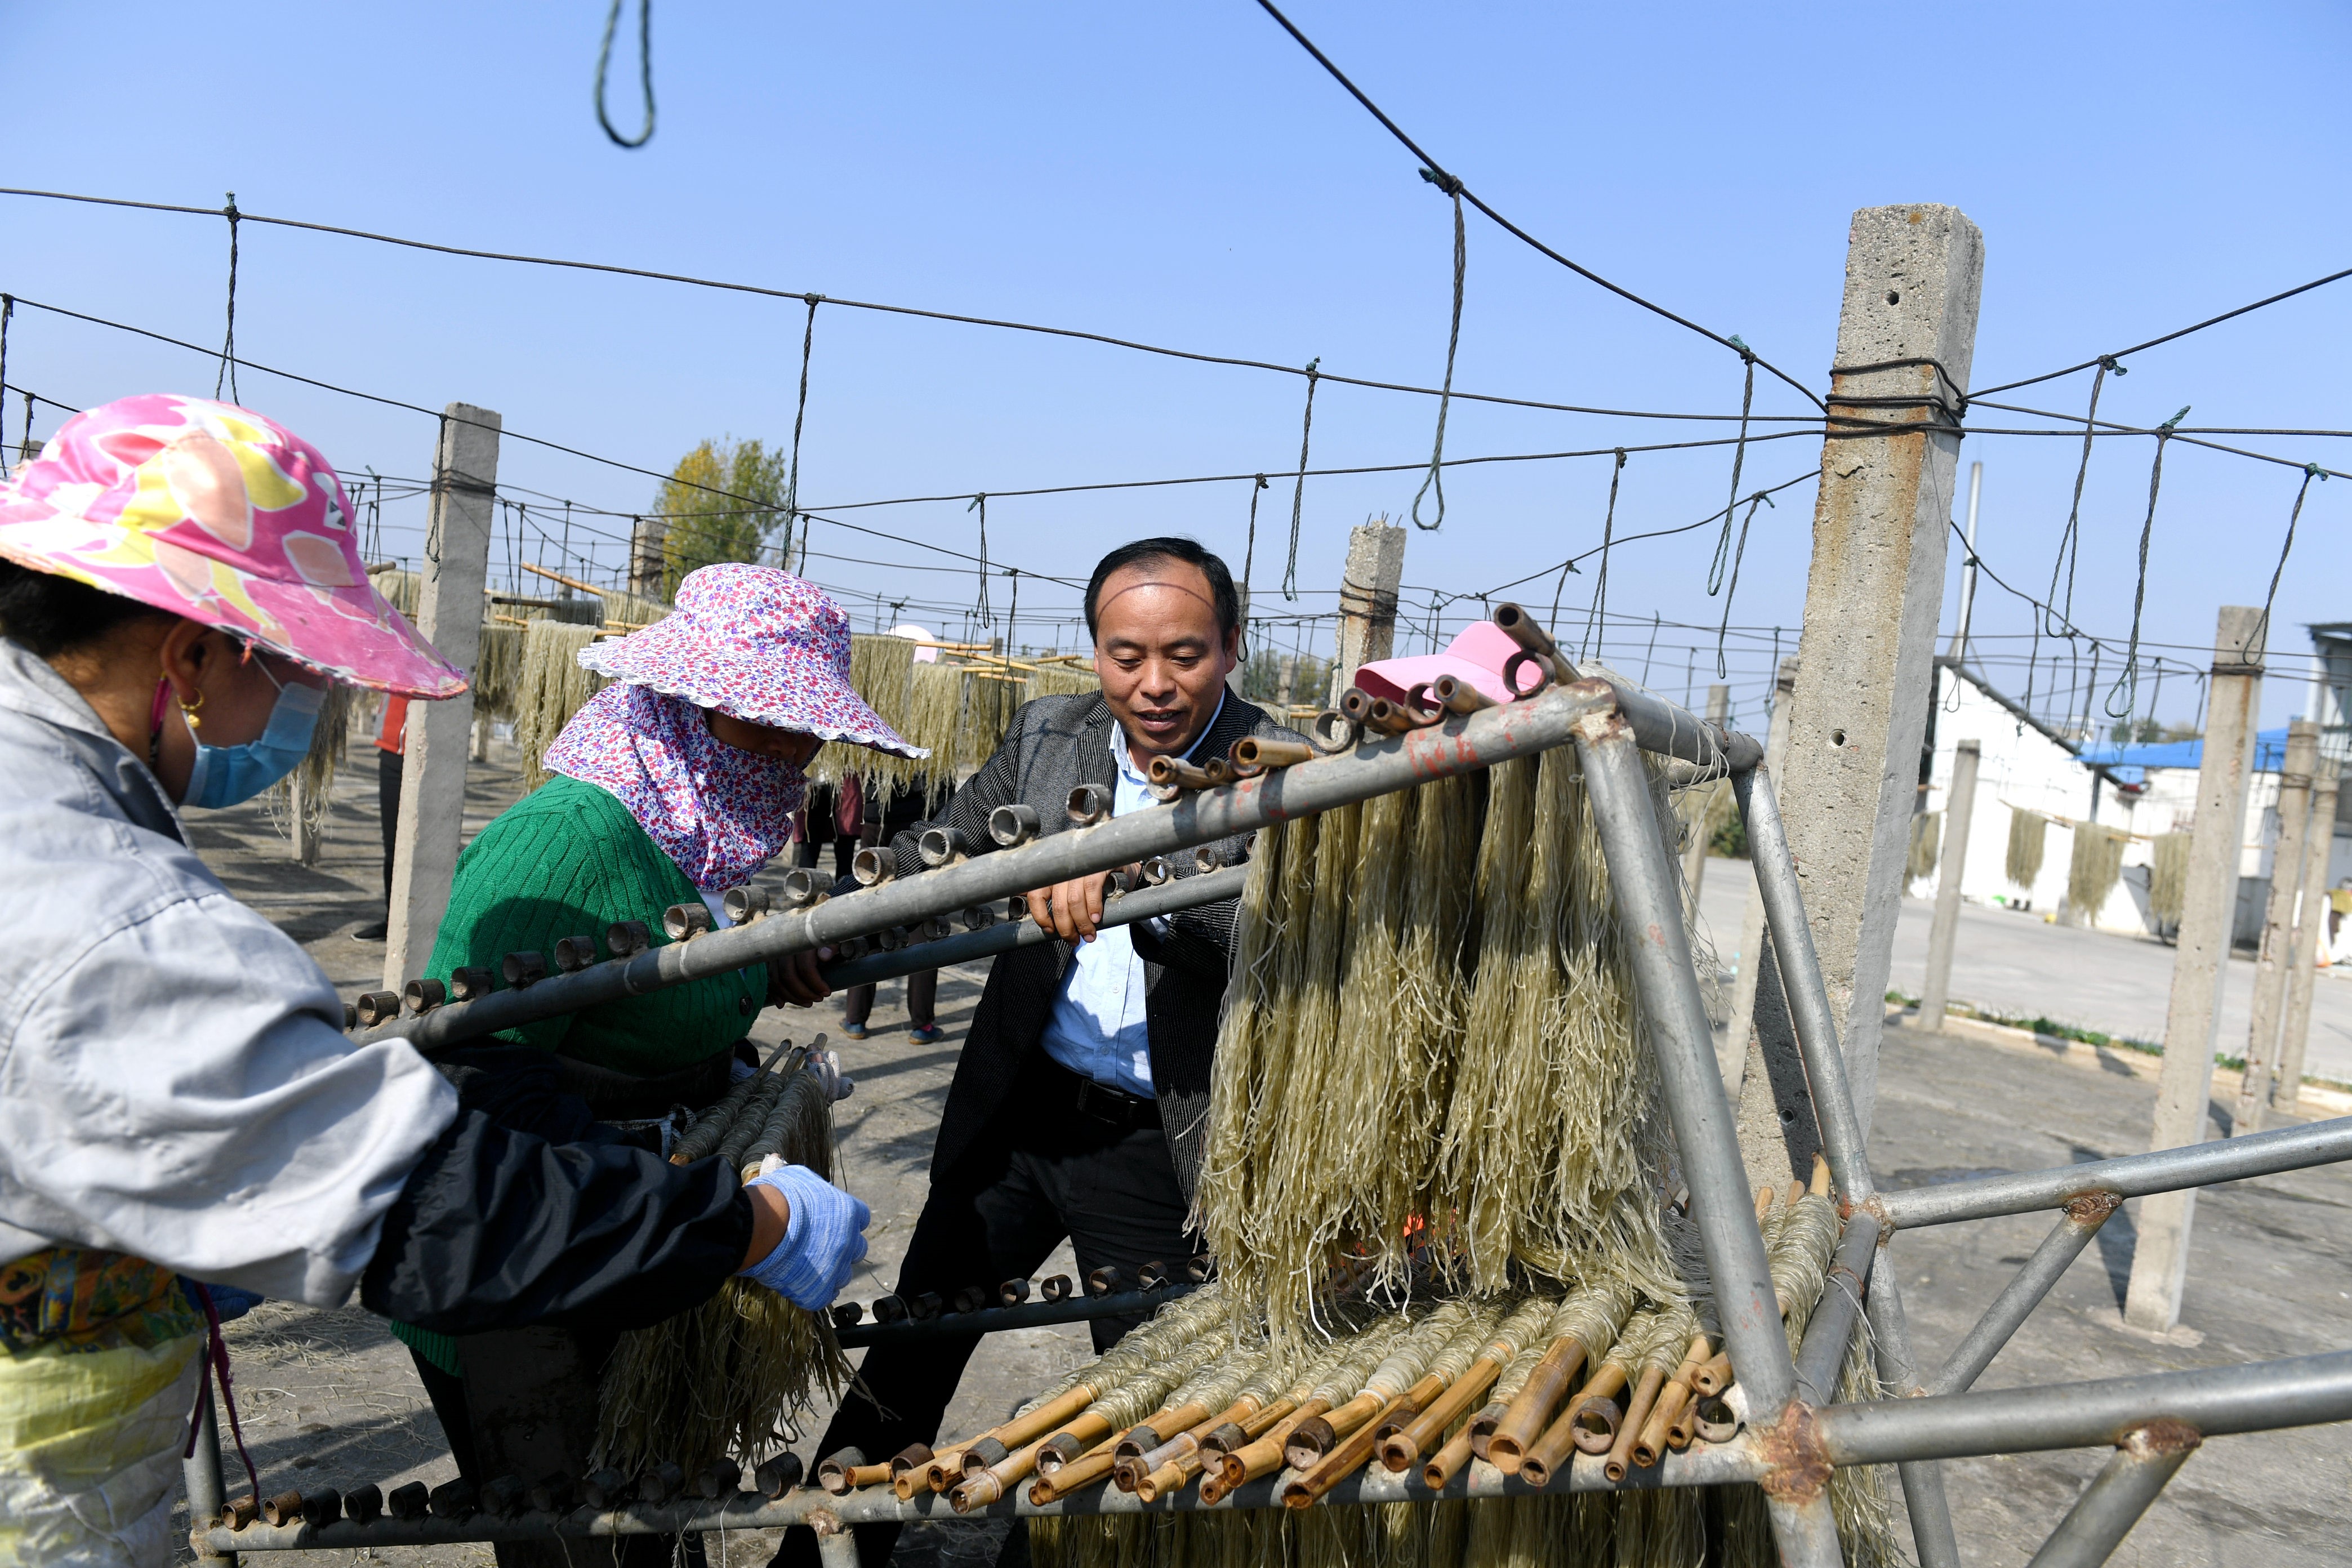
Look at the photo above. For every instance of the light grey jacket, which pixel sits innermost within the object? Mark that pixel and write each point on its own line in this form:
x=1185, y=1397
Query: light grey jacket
x=174, y=1082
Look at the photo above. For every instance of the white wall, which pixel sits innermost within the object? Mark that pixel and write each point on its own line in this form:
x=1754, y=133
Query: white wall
x=2020, y=767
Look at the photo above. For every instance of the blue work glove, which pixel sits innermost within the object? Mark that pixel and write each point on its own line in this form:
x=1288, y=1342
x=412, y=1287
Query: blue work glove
x=824, y=1239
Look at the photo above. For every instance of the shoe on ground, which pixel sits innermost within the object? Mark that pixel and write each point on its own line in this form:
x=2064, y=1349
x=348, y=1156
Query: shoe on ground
x=929, y=1033
x=375, y=931
x=850, y=1031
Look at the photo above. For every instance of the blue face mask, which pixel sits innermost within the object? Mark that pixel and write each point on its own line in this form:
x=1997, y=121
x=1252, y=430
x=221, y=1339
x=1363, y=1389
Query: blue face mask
x=226, y=775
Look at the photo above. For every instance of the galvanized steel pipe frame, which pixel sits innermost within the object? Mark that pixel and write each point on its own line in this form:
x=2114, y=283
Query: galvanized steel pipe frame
x=2131, y=1175
x=2024, y=1291
x=2144, y=1461
x=1701, y=1465
x=1842, y=1143
x=1380, y=765
x=1143, y=904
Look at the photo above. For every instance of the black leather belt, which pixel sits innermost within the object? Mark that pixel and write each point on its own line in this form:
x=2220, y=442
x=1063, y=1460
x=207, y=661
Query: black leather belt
x=1099, y=1102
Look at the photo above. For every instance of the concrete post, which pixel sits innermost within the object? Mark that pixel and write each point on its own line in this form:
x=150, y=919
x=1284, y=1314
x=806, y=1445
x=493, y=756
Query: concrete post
x=1704, y=803
x=2208, y=907
x=648, y=542
x=1367, y=601
x=449, y=614
x=1732, y=1050
x=1960, y=806
x=1881, y=530
x=2311, y=924
x=2276, y=955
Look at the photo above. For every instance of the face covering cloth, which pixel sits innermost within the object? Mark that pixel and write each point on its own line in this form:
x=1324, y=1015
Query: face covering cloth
x=229, y=775
x=719, y=813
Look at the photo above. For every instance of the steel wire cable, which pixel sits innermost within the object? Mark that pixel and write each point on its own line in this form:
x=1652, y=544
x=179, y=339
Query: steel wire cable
x=1236, y=362
x=1453, y=185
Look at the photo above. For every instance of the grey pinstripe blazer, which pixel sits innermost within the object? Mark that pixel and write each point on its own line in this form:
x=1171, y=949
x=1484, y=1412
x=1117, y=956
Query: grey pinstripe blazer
x=1055, y=745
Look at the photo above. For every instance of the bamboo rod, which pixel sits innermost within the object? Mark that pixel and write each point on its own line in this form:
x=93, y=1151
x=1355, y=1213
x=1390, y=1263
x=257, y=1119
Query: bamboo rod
x=1400, y=1450
x=1531, y=1412
x=1349, y=1456
x=1560, y=1440
x=1657, y=1433
x=1629, y=1429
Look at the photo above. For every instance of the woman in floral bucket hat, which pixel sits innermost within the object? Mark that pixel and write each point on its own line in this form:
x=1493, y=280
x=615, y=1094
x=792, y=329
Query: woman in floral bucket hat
x=179, y=582
x=676, y=783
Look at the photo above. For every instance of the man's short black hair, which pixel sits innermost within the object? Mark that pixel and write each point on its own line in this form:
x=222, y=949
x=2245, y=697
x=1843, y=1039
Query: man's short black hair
x=1144, y=551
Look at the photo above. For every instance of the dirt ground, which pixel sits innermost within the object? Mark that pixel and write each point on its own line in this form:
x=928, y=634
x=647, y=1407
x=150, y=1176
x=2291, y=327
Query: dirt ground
x=329, y=1393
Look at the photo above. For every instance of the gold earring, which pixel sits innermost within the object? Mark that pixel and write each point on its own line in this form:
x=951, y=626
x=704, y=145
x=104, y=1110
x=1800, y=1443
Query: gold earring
x=189, y=710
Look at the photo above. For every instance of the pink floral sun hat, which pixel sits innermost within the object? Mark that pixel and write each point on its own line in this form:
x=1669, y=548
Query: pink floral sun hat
x=758, y=644
x=214, y=512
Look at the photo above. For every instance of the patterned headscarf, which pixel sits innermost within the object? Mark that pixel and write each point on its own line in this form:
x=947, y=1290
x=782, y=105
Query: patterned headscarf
x=719, y=812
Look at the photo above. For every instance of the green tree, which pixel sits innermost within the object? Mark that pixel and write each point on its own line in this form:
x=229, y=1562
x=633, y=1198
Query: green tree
x=721, y=502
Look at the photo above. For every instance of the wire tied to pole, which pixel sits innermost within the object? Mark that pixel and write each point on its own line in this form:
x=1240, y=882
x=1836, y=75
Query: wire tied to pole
x=645, y=70
x=1596, y=615
x=2128, y=683
x=1299, y=493
x=979, y=504
x=227, y=374
x=1738, y=460
x=1437, y=478
x=800, y=414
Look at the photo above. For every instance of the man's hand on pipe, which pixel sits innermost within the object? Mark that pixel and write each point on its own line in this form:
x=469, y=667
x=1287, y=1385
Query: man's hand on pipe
x=1071, y=909
x=798, y=978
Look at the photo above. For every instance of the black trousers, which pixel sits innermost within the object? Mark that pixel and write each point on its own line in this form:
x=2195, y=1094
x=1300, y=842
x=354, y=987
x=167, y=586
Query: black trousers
x=388, y=765
x=1051, y=1173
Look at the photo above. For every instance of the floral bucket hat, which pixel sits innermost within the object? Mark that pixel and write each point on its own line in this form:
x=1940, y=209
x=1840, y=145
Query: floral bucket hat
x=758, y=644
x=214, y=512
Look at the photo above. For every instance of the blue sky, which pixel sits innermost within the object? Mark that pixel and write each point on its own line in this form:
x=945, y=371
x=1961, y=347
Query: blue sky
x=1186, y=176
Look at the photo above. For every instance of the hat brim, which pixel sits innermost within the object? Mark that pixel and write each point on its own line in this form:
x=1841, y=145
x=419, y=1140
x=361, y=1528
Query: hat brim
x=342, y=629
x=794, y=689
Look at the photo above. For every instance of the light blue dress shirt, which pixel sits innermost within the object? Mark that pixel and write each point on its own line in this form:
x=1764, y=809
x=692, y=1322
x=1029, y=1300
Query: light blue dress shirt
x=1097, y=1029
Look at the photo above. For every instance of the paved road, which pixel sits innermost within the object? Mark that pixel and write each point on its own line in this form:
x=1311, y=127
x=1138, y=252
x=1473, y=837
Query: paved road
x=2016, y=966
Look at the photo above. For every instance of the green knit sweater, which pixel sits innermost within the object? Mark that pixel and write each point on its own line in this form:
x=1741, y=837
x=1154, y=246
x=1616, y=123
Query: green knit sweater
x=567, y=860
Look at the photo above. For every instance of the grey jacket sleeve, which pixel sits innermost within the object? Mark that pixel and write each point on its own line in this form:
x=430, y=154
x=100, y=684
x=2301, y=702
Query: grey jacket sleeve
x=176, y=1084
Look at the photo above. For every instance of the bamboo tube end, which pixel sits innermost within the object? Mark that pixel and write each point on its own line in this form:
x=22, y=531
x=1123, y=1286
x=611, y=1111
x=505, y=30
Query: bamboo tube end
x=1165, y=1481
x=1533, y=1468
x=1399, y=1452
x=1297, y=1494
x=1819, y=1185
x=975, y=1492
x=1594, y=1425
x=1308, y=1442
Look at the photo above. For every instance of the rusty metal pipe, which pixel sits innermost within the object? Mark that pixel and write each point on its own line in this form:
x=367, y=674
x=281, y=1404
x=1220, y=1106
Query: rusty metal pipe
x=2144, y=1461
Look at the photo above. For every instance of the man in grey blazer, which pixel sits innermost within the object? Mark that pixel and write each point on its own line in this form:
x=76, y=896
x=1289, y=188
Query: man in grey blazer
x=1080, y=1103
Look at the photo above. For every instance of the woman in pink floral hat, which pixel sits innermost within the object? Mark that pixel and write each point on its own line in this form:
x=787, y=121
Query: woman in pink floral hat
x=677, y=782
x=179, y=583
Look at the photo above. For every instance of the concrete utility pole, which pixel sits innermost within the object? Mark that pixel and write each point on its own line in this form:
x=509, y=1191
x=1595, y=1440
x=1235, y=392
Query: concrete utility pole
x=1960, y=806
x=648, y=541
x=2311, y=925
x=449, y=614
x=1705, y=802
x=2207, y=905
x=1367, y=601
x=1881, y=530
x=298, y=801
x=1731, y=1055
x=2277, y=952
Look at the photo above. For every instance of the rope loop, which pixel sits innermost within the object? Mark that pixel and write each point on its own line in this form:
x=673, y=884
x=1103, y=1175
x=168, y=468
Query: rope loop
x=1436, y=478
x=1298, y=494
x=1443, y=182
x=644, y=71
